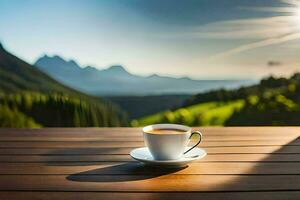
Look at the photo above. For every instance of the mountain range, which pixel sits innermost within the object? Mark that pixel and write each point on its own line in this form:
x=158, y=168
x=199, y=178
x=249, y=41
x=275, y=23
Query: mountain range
x=31, y=98
x=116, y=80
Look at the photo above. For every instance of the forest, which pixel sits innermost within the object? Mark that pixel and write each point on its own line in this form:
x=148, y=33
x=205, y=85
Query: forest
x=54, y=110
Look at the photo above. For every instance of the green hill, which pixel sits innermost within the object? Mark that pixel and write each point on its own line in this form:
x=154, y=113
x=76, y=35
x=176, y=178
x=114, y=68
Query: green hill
x=30, y=98
x=19, y=76
x=274, y=101
x=203, y=114
x=267, y=110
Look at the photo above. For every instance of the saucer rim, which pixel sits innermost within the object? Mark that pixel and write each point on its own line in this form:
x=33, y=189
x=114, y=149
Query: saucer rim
x=180, y=160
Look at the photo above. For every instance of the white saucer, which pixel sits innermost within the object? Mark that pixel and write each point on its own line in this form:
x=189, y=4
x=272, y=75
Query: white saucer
x=143, y=155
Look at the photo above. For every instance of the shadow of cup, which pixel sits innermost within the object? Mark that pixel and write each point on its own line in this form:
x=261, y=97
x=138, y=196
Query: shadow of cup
x=127, y=172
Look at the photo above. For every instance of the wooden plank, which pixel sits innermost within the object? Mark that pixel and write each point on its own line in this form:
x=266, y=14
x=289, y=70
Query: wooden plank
x=137, y=138
x=130, y=131
x=272, y=195
x=126, y=150
x=101, y=143
x=88, y=132
x=52, y=159
x=117, y=143
x=148, y=183
x=134, y=168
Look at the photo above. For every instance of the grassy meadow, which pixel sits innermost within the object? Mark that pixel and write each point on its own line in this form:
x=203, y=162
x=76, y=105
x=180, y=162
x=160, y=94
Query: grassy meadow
x=203, y=114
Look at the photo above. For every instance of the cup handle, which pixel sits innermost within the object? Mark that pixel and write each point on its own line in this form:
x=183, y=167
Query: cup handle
x=200, y=139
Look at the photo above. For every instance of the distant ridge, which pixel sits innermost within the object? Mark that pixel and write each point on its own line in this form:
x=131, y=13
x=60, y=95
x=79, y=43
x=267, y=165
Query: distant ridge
x=116, y=80
x=25, y=91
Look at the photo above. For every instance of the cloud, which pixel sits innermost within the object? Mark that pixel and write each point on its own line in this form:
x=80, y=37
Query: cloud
x=291, y=2
x=254, y=45
x=246, y=29
x=268, y=30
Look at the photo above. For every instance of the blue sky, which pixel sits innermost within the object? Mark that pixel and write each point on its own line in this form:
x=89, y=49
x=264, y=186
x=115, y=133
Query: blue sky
x=198, y=38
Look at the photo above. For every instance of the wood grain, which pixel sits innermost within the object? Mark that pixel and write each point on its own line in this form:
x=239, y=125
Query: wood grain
x=274, y=149
x=133, y=168
x=148, y=183
x=271, y=195
x=127, y=132
x=133, y=144
x=123, y=158
x=94, y=163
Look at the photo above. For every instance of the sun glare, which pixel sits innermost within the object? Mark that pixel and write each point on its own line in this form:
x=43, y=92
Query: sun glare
x=296, y=16
x=297, y=13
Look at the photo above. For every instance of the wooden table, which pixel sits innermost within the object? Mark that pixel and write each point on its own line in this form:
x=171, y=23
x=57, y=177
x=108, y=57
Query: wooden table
x=94, y=163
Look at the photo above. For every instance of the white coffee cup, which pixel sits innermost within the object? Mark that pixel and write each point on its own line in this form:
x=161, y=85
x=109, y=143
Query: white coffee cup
x=169, y=146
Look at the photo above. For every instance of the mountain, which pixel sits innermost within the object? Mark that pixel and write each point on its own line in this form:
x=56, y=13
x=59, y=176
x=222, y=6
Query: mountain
x=116, y=80
x=35, y=99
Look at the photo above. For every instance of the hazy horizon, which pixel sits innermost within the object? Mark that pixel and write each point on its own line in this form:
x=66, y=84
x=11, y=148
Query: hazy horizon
x=126, y=69
x=236, y=39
